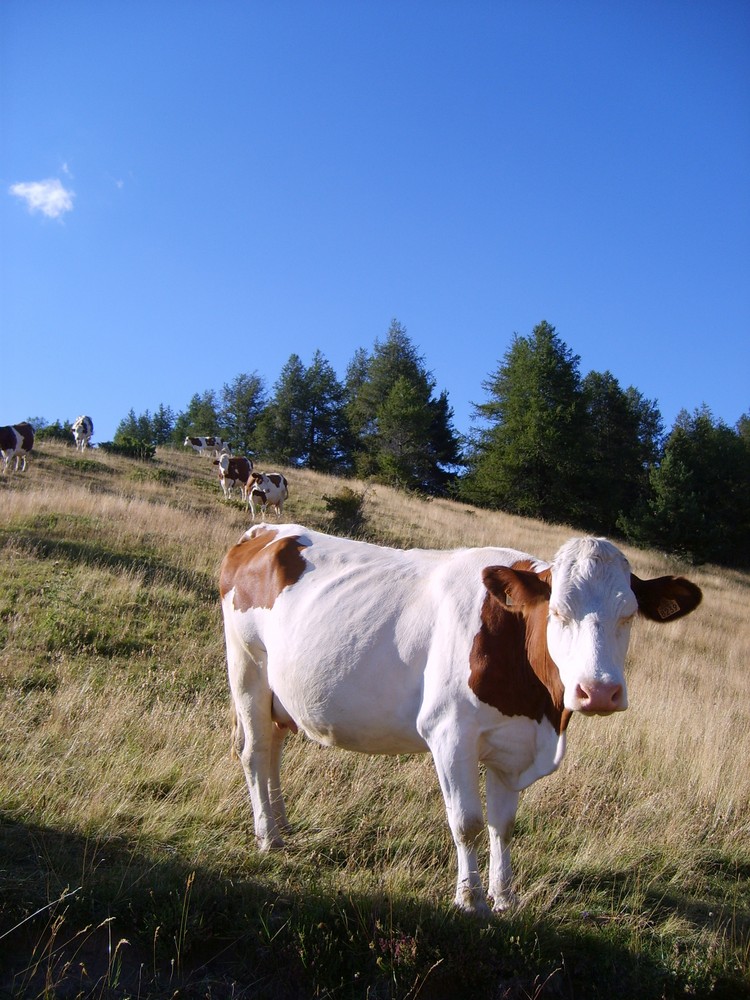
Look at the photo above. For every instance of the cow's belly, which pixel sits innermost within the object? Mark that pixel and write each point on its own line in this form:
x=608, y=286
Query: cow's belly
x=521, y=750
x=373, y=738
x=367, y=708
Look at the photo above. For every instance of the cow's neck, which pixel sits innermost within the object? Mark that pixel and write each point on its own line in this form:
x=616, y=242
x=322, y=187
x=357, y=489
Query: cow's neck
x=510, y=667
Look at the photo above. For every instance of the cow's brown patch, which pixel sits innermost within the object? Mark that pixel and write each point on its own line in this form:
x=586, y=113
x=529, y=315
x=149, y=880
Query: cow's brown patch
x=260, y=567
x=510, y=666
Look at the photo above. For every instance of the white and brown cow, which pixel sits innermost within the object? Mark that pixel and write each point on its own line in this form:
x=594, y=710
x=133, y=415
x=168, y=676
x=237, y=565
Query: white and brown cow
x=83, y=430
x=207, y=445
x=26, y=443
x=10, y=446
x=473, y=655
x=233, y=472
x=267, y=488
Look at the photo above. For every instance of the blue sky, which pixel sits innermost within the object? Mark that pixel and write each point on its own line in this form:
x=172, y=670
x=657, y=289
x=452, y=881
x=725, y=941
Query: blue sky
x=193, y=189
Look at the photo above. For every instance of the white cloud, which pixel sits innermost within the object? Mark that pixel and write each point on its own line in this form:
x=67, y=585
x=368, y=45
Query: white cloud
x=48, y=197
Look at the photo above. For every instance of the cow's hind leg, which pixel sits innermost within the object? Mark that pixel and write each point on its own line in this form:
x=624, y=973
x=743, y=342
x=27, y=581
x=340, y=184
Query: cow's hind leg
x=258, y=741
x=274, y=784
x=502, y=804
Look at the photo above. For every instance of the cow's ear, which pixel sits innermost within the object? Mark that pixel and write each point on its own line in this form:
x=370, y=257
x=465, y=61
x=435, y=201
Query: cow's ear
x=666, y=598
x=517, y=589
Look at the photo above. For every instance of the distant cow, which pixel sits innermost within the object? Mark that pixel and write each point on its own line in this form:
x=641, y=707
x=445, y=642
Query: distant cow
x=267, y=488
x=83, y=430
x=26, y=435
x=233, y=471
x=477, y=656
x=207, y=445
x=10, y=446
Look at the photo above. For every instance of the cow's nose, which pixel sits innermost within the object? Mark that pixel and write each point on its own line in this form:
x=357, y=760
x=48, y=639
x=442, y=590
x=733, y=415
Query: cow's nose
x=603, y=697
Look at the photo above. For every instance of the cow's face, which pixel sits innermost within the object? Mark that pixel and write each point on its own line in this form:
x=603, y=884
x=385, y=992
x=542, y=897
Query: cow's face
x=591, y=610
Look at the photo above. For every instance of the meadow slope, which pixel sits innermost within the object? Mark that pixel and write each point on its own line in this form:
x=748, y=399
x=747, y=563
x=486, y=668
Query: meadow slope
x=127, y=864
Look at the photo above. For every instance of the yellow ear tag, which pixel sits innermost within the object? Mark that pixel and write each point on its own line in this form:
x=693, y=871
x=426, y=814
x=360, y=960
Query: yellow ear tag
x=667, y=608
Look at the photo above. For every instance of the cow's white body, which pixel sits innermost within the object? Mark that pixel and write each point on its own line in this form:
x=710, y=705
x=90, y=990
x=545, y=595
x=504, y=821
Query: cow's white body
x=83, y=430
x=207, y=445
x=233, y=472
x=385, y=651
x=267, y=489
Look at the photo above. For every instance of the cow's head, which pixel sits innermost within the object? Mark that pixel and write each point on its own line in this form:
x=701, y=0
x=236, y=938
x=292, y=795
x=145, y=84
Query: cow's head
x=589, y=598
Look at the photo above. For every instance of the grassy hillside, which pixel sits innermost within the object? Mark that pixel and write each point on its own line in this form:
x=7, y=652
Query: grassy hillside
x=127, y=865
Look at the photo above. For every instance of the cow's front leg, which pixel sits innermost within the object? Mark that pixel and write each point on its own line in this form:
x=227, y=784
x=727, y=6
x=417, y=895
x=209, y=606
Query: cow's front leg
x=458, y=773
x=502, y=804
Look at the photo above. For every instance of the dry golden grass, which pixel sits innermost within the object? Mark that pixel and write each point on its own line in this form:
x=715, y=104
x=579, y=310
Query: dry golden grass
x=114, y=719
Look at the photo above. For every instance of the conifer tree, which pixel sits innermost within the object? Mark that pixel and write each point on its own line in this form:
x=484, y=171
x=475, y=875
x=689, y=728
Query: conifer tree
x=527, y=460
x=623, y=432
x=403, y=433
x=305, y=421
x=700, y=504
x=243, y=401
x=201, y=418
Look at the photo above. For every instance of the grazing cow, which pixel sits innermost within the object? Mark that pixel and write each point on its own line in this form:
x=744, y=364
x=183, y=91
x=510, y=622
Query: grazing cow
x=83, y=430
x=473, y=655
x=26, y=435
x=267, y=488
x=207, y=445
x=233, y=471
x=10, y=446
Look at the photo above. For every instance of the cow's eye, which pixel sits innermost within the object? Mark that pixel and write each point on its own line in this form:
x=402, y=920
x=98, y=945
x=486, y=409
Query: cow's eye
x=626, y=620
x=558, y=617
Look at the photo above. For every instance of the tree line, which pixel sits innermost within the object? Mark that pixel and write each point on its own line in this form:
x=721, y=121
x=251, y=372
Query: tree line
x=546, y=443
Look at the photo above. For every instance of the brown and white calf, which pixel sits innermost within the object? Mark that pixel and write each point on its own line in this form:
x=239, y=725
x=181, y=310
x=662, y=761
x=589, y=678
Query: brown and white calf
x=83, y=430
x=477, y=656
x=267, y=488
x=234, y=471
x=207, y=445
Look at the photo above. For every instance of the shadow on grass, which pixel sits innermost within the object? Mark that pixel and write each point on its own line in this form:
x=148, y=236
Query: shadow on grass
x=152, y=566
x=111, y=918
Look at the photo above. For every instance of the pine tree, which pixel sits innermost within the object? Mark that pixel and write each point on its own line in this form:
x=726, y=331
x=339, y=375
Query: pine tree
x=281, y=431
x=329, y=444
x=305, y=421
x=622, y=444
x=403, y=433
x=162, y=425
x=527, y=460
x=201, y=418
x=700, y=505
x=243, y=401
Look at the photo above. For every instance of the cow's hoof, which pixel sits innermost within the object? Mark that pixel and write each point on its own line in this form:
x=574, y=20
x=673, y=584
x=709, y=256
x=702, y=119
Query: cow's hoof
x=473, y=904
x=505, y=901
x=265, y=844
